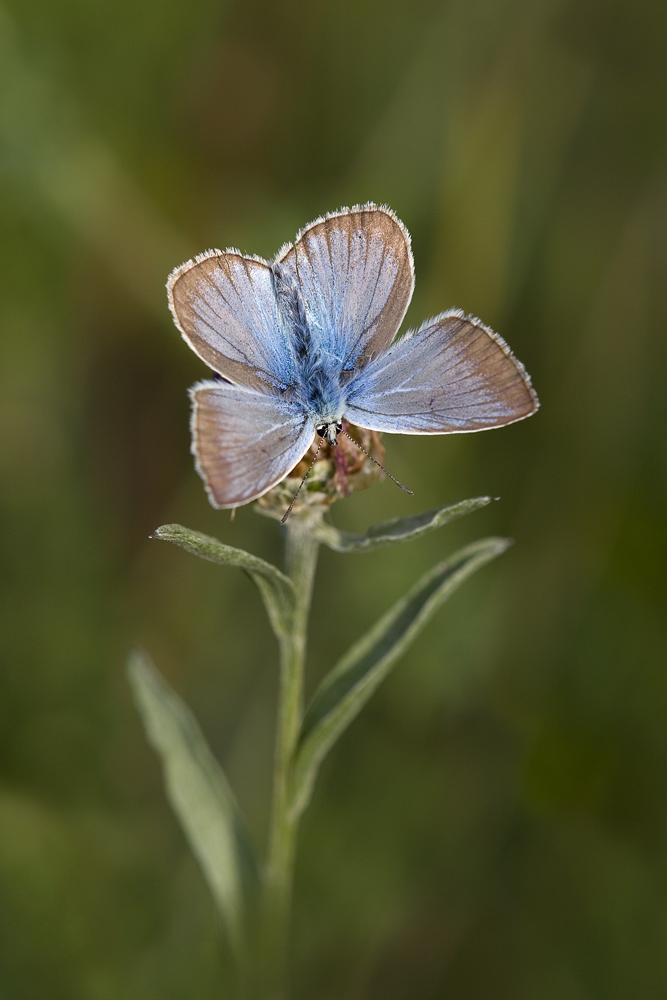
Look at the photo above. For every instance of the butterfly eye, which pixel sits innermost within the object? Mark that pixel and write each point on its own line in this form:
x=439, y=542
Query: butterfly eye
x=339, y=427
x=321, y=429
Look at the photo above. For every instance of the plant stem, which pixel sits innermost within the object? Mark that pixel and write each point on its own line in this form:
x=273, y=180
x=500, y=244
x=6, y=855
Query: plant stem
x=301, y=559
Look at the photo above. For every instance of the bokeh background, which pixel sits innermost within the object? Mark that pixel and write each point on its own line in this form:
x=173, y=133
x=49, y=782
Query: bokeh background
x=495, y=824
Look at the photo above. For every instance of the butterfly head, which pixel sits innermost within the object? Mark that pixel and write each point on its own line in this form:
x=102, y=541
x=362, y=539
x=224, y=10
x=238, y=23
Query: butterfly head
x=329, y=431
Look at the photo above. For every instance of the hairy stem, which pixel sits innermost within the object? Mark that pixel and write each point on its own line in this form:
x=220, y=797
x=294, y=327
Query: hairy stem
x=301, y=559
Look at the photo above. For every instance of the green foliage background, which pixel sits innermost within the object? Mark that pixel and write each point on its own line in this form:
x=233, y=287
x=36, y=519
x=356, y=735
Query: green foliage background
x=495, y=823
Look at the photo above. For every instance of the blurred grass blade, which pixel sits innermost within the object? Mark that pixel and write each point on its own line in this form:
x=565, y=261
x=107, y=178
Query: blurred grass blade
x=401, y=529
x=277, y=590
x=199, y=794
x=345, y=691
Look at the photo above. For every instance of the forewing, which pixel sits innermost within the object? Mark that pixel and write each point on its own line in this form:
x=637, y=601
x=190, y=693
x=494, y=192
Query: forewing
x=226, y=309
x=356, y=274
x=455, y=374
x=245, y=442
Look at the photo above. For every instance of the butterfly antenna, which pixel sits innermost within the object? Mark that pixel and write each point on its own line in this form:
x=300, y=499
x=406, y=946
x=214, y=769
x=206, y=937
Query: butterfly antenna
x=289, y=509
x=393, y=478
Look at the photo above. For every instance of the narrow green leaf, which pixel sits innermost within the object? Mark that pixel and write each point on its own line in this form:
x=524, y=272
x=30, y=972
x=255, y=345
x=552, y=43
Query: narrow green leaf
x=199, y=794
x=347, y=688
x=277, y=590
x=401, y=529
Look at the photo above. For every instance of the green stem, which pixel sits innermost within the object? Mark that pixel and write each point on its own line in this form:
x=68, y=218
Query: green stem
x=301, y=559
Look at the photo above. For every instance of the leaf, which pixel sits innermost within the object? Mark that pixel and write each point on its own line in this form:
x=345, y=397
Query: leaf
x=199, y=794
x=277, y=590
x=347, y=688
x=401, y=529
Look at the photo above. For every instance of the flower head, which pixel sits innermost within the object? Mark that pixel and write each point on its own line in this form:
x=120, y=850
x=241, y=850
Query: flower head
x=338, y=471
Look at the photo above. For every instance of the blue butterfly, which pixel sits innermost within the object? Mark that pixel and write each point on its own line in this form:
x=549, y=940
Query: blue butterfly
x=307, y=340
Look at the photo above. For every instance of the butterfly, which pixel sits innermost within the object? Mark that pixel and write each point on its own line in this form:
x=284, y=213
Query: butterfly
x=307, y=341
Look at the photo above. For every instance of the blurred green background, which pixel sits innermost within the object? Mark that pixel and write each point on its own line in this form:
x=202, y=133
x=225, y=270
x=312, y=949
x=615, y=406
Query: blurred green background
x=495, y=824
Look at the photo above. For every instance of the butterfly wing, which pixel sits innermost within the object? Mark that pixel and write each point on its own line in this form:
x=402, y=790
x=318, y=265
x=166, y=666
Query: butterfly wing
x=225, y=307
x=245, y=442
x=454, y=374
x=356, y=273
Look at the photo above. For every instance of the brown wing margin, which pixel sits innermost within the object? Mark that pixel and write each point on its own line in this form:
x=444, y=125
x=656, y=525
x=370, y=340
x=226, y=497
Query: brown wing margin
x=454, y=375
x=244, y=443
x=224, y=306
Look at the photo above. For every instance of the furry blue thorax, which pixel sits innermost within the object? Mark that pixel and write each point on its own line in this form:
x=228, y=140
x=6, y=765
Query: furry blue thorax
x=316, y=374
